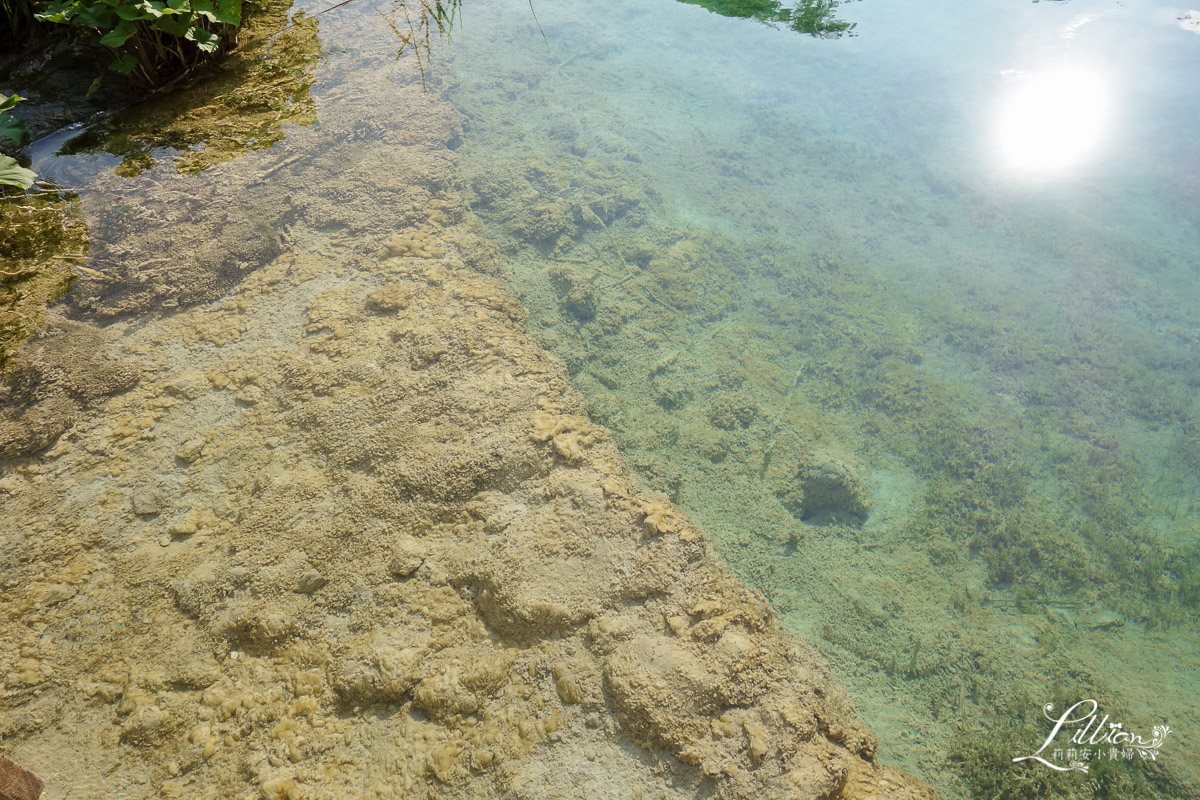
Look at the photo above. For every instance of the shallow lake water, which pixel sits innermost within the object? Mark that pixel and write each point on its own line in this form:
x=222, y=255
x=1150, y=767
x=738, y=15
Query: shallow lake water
x=940, y=276
x=907, y=321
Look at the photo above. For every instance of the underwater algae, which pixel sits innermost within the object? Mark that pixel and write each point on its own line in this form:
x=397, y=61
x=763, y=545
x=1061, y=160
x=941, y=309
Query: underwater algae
x=239, y=104
x=347, y=531
x=1004, y=508
x=853, y=451
x=43, y=236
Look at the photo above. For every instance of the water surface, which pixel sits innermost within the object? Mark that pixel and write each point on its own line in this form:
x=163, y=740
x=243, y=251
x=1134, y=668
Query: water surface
x=907, y=320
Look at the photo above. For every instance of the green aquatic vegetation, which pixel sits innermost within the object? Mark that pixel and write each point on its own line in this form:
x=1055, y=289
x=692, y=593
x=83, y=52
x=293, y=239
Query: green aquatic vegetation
x=1184, y=570
x=415, y=30
x=13, y=129
x=150, y=41
x=1026, y=481
x=983, y=758
x=241, y=105
x=44, y=235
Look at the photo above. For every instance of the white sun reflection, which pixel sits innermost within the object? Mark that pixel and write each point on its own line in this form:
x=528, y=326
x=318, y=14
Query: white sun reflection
x=1053, y=120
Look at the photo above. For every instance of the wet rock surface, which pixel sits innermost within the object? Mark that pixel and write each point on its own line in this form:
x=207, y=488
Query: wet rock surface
x=385, y=553
x=63, y=371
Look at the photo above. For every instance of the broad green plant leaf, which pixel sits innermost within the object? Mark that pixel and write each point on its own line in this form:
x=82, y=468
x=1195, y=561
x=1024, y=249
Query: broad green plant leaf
x=13, y=174
x=143, y=10
x=230, y=11
x=174, y=25
x=13, y=129
x=101, y=17
x=118, y=35
x=124, y=63
x=205, y=40
x=206, y=9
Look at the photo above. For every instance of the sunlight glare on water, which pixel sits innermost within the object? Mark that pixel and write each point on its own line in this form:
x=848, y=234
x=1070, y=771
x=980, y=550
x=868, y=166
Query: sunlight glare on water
x=1053, y=120
x=968, y=224
x=906, y=323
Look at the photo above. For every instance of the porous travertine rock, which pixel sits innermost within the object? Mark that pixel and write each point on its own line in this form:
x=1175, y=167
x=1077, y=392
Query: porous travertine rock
x=824, y=488
x=398, y=559
x=144, y=501
x=60, y=372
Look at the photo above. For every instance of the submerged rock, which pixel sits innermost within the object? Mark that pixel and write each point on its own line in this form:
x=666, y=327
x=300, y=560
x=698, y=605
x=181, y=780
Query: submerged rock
x=826, y=490
x=144, y=501
x=555, y=627
x=59, y=374
x=310, y=581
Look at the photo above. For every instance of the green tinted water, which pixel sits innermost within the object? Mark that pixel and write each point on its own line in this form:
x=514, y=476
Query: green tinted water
x=909, y=322
x=917, y=351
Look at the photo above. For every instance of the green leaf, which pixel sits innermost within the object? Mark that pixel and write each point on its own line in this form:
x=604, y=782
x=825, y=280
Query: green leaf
x=205, y=9
x=101, y=17
x=176, y=26
x=13, y=174
x=137, y=11
x=8, y=101
x=205, y=40
x=229, y=12
x=14, y=129
x=124, y=63
x=118, y=35
x=57, y=12
x=94, y=87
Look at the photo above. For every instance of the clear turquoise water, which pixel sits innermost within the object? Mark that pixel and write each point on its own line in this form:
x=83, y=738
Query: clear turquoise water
x=956, y=254
x=767, y=257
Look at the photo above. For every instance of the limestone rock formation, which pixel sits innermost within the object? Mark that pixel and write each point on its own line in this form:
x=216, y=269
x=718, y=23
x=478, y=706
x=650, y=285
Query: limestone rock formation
x=348, y=532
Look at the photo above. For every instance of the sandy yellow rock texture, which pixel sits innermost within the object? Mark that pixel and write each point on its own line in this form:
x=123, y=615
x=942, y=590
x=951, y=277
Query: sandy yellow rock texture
x=498, y=610
x=63, y=370
x=350, y=534
x=43, y=236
